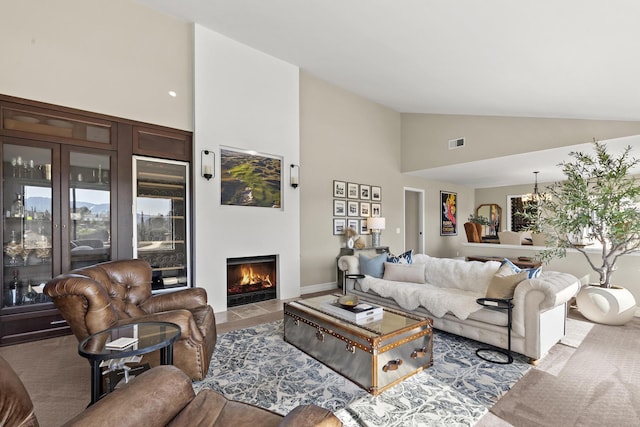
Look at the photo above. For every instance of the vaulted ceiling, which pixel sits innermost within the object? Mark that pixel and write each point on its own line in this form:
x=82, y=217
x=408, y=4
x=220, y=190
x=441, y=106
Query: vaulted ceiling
x=542, y=58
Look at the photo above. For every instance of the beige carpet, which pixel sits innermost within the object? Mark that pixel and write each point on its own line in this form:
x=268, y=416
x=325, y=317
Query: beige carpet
x=577, y=330
x=55, y=375
x=598, y=385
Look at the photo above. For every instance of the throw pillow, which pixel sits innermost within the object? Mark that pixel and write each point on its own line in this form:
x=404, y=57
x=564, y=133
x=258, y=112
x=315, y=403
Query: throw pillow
x=504, y=286
x=372, y=266
x=404, y=258
x=413, y=273
x=532, y=273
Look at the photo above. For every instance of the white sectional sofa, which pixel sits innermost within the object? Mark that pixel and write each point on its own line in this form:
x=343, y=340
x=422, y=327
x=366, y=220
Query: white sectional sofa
x=448, y=294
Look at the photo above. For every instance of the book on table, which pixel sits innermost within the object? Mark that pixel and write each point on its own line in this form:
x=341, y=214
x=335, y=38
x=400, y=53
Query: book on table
x=120, y=343
x=358, y=313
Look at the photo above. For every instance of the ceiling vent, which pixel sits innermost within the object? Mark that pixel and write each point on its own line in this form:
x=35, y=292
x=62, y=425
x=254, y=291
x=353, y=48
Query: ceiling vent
x=456, y=143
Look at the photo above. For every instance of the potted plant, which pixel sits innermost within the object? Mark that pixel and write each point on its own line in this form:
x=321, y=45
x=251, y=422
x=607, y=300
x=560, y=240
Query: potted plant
x=597, y=204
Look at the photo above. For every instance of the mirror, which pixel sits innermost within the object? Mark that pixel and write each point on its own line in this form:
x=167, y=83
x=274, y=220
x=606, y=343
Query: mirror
x=494, y=214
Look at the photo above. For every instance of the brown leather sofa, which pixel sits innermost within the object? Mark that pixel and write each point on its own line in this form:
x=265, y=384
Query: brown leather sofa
x=101, y=296
x=162, y=396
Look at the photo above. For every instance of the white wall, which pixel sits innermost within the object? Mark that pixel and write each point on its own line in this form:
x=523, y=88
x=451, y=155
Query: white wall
x=116, y=57
x=249, y=100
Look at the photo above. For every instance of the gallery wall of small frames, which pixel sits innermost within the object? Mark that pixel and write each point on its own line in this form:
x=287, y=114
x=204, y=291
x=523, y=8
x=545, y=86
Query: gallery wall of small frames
x=353, y=204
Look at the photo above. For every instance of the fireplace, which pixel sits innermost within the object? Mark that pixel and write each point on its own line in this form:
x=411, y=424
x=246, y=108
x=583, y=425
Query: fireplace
x=251, y=279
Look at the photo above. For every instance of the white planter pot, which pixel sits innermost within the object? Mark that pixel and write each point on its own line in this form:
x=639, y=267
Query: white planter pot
x=610, y=306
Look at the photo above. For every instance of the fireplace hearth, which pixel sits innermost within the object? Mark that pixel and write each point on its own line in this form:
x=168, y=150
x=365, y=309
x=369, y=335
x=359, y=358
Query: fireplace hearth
x=251, y=279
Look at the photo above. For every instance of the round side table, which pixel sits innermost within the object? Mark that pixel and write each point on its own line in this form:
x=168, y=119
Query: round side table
x=150, y=336
x=492, y=354
x=355, y=277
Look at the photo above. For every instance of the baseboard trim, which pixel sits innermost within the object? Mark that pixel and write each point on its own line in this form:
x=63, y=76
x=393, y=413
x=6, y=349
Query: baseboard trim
x=304, y=290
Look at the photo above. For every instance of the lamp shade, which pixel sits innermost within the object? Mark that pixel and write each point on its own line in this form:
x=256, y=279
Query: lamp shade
x=375, y=223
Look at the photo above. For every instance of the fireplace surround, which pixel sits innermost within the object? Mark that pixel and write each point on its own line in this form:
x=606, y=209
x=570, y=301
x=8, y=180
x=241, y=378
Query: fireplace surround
x=251, y=279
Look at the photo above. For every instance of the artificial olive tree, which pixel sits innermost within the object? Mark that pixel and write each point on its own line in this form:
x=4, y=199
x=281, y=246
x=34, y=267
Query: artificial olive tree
x=598, y=202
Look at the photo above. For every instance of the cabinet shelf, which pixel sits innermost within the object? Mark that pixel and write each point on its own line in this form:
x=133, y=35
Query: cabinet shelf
x=31, y=265
x=87, y=185
x=158, y=196
x=34, y=182
x=173, y=267
x=146, y=184
x=156, y=244
x=164, y=217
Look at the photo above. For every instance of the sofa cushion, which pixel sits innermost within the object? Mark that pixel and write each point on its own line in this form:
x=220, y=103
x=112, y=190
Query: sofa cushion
x=453, y=273
x=504, y=282
x=404, y=258
x=404, y=272
x=374, y=266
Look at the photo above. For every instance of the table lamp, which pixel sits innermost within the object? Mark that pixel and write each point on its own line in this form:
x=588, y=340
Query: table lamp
x=376, y=225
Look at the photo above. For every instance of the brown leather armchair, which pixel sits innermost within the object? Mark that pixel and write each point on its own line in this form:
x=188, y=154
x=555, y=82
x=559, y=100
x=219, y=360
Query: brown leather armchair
x=162, y=396
x=98, y=297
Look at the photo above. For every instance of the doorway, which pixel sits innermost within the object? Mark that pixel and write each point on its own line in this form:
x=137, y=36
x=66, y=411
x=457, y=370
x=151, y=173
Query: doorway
x=414, y=220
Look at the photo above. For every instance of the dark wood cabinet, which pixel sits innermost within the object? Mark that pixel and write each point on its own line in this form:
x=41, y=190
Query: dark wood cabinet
x=67, y=196
x=163, y=144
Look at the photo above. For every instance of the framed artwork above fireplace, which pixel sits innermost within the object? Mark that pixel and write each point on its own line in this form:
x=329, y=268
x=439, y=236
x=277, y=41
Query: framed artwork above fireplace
x=248, y=178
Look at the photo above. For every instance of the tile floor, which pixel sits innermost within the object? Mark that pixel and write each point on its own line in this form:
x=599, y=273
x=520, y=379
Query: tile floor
x=245, y=316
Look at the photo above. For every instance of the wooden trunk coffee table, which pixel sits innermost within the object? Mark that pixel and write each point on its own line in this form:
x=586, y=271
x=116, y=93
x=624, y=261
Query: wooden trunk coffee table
x=375, y=354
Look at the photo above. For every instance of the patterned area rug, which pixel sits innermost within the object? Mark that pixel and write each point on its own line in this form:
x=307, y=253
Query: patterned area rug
x=255, y=365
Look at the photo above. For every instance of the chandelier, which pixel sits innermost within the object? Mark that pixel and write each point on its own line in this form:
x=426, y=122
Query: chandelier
x=536, y=196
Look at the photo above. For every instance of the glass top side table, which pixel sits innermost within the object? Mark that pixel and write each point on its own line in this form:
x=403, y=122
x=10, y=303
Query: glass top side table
x=355, y=277
x=151, y=336
x=498, y=355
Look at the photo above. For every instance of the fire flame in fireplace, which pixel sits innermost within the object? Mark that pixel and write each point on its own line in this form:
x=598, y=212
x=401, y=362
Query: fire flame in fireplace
x=250, y=277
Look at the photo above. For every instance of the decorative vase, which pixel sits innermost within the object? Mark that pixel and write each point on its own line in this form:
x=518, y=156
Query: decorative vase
x=609, y=306
x=350, y=243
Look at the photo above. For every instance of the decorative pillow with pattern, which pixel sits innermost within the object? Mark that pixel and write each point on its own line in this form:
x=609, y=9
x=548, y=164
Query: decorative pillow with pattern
x=532, y=273
x=405, y=258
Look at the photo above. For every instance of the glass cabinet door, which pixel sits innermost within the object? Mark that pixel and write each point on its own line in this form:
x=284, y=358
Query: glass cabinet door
x=161, y=220
x=89, y=221
x=27, y=224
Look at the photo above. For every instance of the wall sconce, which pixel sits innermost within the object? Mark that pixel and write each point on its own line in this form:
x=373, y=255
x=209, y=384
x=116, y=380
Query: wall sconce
x=207, y=164
x=295, y=175
x=376, y=225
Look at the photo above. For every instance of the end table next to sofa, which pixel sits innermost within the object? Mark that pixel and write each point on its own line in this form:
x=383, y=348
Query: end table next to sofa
x=497, y=304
